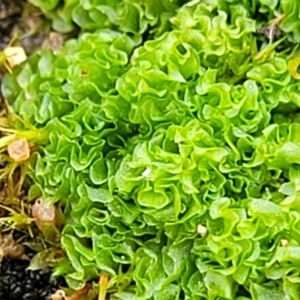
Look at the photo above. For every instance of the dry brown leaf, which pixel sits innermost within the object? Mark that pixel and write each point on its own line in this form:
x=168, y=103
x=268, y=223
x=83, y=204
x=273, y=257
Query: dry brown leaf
x=10, y=11
x=43, y=213
x=61, y=295
x=58, y=295
x=19, y=150
x=78, y=294
x=272, y=29
x=54, y=42
x=14, y=56
x=10, y=248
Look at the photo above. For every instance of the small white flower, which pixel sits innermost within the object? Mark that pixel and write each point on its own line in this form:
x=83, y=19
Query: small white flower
x=147, y=172
x=202, y=230
x=284, y=242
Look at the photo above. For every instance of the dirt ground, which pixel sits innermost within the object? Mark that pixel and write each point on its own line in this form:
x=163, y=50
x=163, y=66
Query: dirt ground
x=10, y=14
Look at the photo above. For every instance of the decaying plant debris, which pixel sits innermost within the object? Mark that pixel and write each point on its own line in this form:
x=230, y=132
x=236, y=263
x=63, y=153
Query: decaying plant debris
x=11, y=248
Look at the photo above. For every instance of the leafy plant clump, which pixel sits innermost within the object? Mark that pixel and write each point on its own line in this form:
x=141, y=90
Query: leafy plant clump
x=176, y=163
x=132, y=16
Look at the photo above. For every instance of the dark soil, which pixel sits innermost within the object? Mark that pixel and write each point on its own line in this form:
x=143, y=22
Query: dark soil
x=10, y=14
x=17, y=283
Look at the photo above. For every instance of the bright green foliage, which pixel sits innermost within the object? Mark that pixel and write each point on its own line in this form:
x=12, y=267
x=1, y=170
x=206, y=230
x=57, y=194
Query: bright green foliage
x=131, y=16
x=197, y=127
x=138, y=16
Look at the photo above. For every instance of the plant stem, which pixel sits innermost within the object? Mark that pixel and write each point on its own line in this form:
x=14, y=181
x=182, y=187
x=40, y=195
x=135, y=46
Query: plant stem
x=103, y=283
x=35, y=136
